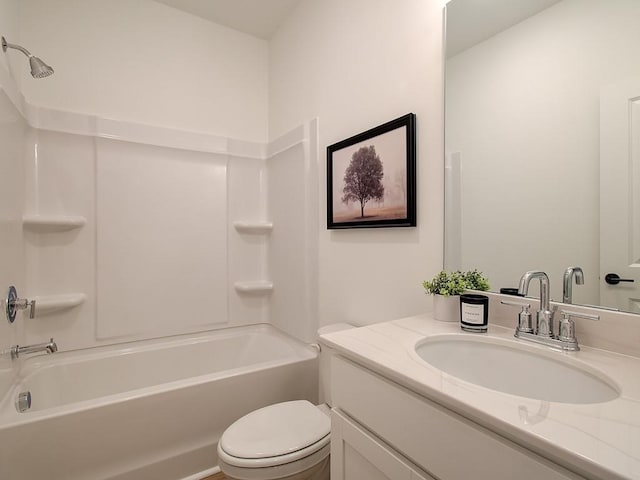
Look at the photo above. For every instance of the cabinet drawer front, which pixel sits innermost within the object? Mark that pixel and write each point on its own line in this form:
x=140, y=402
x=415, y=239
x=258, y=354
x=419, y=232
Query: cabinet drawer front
x=356, y=454
x=439, y=441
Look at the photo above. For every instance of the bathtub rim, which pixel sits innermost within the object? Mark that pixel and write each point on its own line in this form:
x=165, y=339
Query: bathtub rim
x=10, y=417
x=101, y=351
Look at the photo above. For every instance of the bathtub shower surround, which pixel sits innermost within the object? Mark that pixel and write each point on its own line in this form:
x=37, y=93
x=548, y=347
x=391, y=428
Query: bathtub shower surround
x=292, y=252
x=132, y=231
x=13, y=129
x=127, y=232
x=147, y=409
x=160, y=217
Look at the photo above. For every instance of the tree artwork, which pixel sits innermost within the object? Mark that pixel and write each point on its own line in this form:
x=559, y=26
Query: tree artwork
x=363, y=178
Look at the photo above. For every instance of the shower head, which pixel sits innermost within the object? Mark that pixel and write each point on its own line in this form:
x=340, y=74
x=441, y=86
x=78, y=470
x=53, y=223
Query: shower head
x=39, y=69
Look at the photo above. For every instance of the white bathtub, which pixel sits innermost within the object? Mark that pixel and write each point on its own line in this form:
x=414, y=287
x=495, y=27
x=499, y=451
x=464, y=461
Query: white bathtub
x=151, y=409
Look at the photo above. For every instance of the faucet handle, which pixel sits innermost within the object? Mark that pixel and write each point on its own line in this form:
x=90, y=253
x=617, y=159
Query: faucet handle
x=586, y=316
x=13, y=303
x=23, y=304
x=567, y=330
x=515, y=304
x=524, y=317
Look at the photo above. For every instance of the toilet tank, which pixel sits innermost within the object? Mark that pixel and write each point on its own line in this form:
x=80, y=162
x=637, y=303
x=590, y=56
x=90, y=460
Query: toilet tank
x=326, y=353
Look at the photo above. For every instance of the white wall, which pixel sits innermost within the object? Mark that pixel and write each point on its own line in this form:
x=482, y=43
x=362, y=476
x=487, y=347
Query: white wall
x=523, y=111
x=355, y=65
x=145, y=62
x=9, y=11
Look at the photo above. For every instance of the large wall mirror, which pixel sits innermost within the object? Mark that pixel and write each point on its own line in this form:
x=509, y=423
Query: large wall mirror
x=543, y=143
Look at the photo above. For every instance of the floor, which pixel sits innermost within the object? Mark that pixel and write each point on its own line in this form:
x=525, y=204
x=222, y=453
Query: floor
x=217, y=476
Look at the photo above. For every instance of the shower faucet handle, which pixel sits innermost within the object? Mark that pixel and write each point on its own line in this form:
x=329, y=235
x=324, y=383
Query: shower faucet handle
x=13, y=304
x=23, y=304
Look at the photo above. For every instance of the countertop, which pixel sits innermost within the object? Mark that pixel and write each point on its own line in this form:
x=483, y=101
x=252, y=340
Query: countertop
x=594, y=440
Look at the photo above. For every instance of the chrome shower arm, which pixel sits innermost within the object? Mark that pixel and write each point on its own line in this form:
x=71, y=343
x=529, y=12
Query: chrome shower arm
x=39, y=69
x=6, y=45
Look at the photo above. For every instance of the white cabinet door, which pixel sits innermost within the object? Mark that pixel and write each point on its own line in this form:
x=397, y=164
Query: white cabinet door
x=620, y=194
x=434, y=438
x=357, y=455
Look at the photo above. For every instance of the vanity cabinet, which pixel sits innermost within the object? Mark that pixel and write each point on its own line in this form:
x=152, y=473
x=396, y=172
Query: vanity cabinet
x=356, y=455
x=382, y=430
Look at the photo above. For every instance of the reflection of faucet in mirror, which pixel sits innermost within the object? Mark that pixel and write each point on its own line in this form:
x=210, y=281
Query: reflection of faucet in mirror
x=567, y=282
x=539, y=416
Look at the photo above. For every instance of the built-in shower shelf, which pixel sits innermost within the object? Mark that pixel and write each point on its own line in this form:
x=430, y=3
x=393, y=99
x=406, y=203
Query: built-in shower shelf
x=253, y=227
x=53, y=303
x=254, y=286
x=52, y=223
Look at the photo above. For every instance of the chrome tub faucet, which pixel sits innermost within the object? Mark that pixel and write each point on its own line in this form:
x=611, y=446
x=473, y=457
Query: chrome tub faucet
x=47, y=347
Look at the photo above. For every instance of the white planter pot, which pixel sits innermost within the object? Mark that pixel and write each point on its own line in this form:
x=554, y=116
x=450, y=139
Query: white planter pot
x=446, y=308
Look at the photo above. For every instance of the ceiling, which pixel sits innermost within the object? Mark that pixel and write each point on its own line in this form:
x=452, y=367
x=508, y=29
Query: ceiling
x=260, y=18
x=472, y=21
x=468, y=21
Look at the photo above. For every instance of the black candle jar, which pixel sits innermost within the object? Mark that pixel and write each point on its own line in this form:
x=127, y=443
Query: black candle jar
x=474, y=312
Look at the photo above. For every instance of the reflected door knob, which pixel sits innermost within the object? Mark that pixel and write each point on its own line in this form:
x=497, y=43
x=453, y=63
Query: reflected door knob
x=614, y=279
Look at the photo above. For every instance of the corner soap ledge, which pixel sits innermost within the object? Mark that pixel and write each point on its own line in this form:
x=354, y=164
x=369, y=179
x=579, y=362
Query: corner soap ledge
x=256, y=286
x=253, y=227
x=47, y=304
x=52, y=223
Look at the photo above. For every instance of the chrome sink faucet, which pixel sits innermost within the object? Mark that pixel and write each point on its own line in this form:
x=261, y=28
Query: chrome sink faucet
x=544, y=317
x=542, y=332
x=48, y=347
x=567, y=282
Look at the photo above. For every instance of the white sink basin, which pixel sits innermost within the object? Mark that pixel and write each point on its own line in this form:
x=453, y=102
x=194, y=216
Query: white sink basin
x=517, y=369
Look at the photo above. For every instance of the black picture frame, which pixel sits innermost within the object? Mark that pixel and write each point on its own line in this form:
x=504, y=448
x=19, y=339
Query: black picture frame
x=368, y=192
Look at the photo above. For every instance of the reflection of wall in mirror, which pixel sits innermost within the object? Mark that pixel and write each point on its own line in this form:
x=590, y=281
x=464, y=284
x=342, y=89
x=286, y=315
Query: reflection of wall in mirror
x=523, y=110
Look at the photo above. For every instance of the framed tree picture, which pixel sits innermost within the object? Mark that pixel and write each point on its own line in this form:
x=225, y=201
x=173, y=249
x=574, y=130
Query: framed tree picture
x=371, y=177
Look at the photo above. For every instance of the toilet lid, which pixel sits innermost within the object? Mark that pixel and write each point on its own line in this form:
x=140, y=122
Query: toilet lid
x=276, y=430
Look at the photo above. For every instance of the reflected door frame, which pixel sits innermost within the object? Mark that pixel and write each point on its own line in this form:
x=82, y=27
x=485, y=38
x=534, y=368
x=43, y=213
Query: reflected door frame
x=620, y=193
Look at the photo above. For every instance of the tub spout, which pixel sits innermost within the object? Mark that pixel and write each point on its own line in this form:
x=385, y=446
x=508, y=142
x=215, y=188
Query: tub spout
x=47, y=347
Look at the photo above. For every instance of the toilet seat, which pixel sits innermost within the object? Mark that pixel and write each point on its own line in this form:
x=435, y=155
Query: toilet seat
x=276, y=470
x=288, y=437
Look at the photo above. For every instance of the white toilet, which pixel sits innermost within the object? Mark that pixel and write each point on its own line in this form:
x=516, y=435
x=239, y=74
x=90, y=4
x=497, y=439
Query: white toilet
x=289, y=440
x=284, y=441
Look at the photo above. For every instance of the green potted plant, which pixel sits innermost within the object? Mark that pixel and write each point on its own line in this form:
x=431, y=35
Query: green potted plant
x=446, y=288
